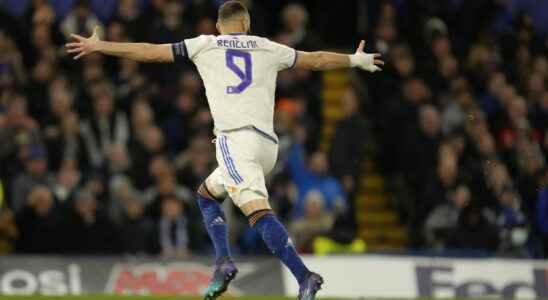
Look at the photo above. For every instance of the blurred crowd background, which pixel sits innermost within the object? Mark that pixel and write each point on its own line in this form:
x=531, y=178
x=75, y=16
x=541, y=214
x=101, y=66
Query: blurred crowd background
x=103, y=155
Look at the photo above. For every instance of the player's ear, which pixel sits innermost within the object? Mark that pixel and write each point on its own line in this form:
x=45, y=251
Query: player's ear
x=247, y=23
x=218, y=26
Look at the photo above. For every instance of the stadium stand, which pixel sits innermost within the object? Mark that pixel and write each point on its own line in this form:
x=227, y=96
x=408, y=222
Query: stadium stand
x=444, y=152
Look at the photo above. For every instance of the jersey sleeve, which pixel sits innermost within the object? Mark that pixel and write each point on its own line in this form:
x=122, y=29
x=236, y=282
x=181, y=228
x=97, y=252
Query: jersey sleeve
x=189, y=48
x=284, y=56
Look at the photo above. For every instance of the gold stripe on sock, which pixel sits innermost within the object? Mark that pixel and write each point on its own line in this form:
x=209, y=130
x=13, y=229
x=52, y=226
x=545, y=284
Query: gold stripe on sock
x=204, y=192
x=255, y=216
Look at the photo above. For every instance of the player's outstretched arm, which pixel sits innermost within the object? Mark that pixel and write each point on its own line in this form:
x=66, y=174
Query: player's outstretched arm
x=322, y=60
x=141, y=52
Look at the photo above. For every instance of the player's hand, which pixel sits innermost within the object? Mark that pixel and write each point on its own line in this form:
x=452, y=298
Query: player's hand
x=82, y=46
x=366, y=61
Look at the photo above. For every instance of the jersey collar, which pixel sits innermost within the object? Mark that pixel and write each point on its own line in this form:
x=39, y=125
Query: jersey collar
x=236, y=33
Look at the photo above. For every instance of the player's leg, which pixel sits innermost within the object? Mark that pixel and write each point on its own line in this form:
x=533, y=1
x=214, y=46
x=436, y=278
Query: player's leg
x=211, y=194
x=250, y=195
x=264, y=222
x=274, y=234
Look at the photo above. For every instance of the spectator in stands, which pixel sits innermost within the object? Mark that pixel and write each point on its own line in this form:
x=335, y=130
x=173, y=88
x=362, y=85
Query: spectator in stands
x=196, y=163
x=135, y=228
x=404, y=62
x=434, y=191
x=540, y=115
x=535, y=87
x=172, y=24
x=67, y=180
x=149, y=144
x=296, y=34
x=511, y=222
x=61, y=103
x=87, y=230
x=541, y=218
x=476, y=231
x=420, y=148
x=313, y=175
x=128, y=14
x=315, y=222
x=38, y=222
x=455, y=112
x=17, y=131
x=120, y=190
x=442, y=221
x=36, y=173
x=18, y=127
x=119, y=161
x=142, y=118
x=42, y=55
x=80, y=20
x=400, y=119
x=498, y=180
x=65, y=142
x=510, y=213
x=8, y=230
x=287, y=112
x=386, y=34
x=347, y=144
x=171, y=238
x=94, y=183
x=190, y=82
x=131, y=83
x=12, y=60
x=447, y=70
x=513, y=128
x=177, y=127
x=92, y=74
x=531, y=163
x=165, y=184
x=106, y=127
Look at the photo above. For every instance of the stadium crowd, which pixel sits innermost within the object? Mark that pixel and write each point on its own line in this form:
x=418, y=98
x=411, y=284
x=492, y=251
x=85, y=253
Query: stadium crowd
x=103, y=155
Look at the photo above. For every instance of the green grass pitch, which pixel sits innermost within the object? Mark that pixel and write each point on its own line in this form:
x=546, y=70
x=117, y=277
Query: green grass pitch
x=103, y=297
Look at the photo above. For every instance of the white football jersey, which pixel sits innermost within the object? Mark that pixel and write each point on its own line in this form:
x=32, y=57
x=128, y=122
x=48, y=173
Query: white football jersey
x=239, y=73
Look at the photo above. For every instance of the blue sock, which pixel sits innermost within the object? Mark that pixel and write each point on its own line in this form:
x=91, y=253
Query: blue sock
x=277, y=240
x=215, y=223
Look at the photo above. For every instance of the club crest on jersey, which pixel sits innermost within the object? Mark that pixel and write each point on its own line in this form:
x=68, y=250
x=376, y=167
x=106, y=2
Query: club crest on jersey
x=231, y=189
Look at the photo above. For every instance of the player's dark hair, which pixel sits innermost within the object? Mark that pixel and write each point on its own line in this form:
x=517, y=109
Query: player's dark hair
x=230, y=9
x=82, y=3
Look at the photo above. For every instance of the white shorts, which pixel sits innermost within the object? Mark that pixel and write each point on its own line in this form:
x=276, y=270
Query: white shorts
x=245, y=157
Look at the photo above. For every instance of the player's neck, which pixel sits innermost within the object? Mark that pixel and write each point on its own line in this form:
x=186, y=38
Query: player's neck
x=233, y=30
x=233, y=33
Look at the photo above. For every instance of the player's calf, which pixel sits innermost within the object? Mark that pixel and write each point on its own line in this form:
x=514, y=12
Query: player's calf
x=214, y=221
x=277, y=240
